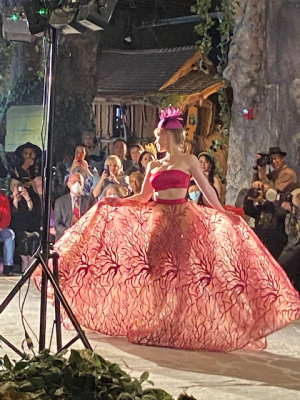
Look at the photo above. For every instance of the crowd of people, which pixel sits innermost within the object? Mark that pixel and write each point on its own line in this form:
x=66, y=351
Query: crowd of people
x=89, y=175
x=159, y=267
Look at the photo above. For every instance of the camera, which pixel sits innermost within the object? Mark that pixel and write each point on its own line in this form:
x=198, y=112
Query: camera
x=272, y=195
x=264, y=159
x=254, y=193
x=20, y=189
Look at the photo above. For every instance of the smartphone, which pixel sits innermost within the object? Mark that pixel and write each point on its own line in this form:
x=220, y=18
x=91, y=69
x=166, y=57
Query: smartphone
x=106, y=169
x=20, y=189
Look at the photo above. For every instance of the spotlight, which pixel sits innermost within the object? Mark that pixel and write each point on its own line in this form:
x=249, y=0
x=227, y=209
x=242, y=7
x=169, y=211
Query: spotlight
x=63, y=19
x=37, y=16
x=15, y=25
x=96, y=14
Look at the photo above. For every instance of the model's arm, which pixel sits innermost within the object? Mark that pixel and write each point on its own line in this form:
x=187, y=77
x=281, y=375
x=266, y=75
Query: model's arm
x=203, y=184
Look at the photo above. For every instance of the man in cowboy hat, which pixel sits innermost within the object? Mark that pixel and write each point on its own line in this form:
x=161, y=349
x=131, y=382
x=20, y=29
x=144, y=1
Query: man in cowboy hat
x=27, y=168
x=282, y=178
x=269, y=217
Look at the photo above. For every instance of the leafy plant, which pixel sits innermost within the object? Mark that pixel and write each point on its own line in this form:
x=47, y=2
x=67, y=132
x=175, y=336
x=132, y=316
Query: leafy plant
x=84, y=375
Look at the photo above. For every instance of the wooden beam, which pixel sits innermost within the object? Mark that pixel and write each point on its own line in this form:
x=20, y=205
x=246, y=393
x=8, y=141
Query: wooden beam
x=204, y=94
x=184, y=70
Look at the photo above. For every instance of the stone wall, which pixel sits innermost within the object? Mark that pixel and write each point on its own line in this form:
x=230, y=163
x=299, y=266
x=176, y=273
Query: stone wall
x=264, y=70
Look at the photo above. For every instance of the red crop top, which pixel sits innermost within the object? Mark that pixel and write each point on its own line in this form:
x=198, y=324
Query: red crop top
x=169, y=179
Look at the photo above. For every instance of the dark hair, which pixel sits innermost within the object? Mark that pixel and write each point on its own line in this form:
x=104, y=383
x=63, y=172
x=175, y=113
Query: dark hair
x=120, y=140
x=138, y=146
x=212, y=170
x=141, y=168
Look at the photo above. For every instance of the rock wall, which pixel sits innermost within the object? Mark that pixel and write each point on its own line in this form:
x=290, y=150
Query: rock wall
x=264, y=71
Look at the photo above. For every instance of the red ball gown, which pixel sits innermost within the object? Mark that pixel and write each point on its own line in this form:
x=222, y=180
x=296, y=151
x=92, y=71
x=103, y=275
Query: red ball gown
x=175, y=275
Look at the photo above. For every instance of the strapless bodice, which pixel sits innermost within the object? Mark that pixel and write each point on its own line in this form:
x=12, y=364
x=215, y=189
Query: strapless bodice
x=169, y=179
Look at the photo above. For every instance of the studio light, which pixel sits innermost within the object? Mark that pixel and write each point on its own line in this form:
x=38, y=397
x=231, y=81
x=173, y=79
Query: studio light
x=15, y=25
x=96, y=14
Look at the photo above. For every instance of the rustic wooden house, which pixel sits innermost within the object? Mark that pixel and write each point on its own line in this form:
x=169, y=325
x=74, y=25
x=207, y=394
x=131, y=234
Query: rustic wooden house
x=133, y=85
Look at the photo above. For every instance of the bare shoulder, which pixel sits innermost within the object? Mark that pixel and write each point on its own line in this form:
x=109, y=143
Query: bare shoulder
x=154, y=164
x=191, y=159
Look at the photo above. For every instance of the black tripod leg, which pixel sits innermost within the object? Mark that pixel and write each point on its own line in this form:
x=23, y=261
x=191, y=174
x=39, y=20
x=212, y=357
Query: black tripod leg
x=57, y=305
x=66, y=306
x=32, y=266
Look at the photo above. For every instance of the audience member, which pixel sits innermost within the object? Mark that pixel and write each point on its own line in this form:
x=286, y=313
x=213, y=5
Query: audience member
x=112, y=190
x=29, y=165
x=71, y=207
x=120, y=150
x=144, y=160
x=81, y=166
x=290, y=257
x=95, y=155
x=112, y=174
x=136, y=180
x=135, y=151
x=7, y=236
x=25, y=222
x=208, y=167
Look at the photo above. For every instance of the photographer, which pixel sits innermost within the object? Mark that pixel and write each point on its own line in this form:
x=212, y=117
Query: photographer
x=94, y=154
x=282, y=178
x=290, y=256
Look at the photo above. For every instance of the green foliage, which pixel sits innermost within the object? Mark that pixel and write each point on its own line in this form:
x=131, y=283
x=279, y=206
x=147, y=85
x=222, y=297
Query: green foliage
x=226, y=12
x=73, y=115
x=85, y=375
x=163, y=100
x=7, y=52
x=224, y=112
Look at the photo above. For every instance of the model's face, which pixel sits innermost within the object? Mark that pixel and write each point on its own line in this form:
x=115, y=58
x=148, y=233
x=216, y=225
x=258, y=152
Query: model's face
x=277, y=161
x=161, y=139
x=135, y=153
x=146, y=159
x=114, y=168
x=120, y=149
x=28, y=153
x=204, y=164
x=88, y=141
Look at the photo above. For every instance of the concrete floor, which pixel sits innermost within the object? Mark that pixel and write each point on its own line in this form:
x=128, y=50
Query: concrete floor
x=271, y=374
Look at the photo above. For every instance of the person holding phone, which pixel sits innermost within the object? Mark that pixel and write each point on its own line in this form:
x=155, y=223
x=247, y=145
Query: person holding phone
x=81, y=165
x=112, y=174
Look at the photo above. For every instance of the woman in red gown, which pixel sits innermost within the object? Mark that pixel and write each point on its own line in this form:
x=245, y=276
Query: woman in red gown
x=169, y=272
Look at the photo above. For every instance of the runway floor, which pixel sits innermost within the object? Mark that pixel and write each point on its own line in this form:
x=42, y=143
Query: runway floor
x=270, y=374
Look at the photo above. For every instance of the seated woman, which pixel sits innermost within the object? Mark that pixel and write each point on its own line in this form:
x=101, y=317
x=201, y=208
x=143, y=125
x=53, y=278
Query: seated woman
x=144, y=160
x=112, y=174
x=169, y=272
x=80, y=164
x=113, y=190
x=25, y=222
x=28, y=166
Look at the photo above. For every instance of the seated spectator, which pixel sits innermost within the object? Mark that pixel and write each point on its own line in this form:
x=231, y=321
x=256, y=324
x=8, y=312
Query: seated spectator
x=112, y=191
x=290, y=256
x=81, y=166
x=136, y=180
x=144, y=160
x=3, y=170
x=71, y=207
x=208, y=166
x=96, y=156
x=135, y=151
x=120, y=150
x=28, y=166
x=113, y=174
x=7, y=236
x=25, y=222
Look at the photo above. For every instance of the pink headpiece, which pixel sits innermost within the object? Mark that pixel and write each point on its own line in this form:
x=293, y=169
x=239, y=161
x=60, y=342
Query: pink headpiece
x=170, y=119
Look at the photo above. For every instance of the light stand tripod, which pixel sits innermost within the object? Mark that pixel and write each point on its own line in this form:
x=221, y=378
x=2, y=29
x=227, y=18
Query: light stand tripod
x=43, y=253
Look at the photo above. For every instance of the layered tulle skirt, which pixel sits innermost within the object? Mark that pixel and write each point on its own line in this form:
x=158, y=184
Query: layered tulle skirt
x=179, y=276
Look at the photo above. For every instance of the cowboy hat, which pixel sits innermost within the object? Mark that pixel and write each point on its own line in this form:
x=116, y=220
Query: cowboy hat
x=28, y=145
x=295, y=193
x=276, y=150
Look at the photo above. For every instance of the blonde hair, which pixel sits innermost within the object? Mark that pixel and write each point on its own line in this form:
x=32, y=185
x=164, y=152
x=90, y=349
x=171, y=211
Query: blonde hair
x=113, y=158
x=179, y=134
